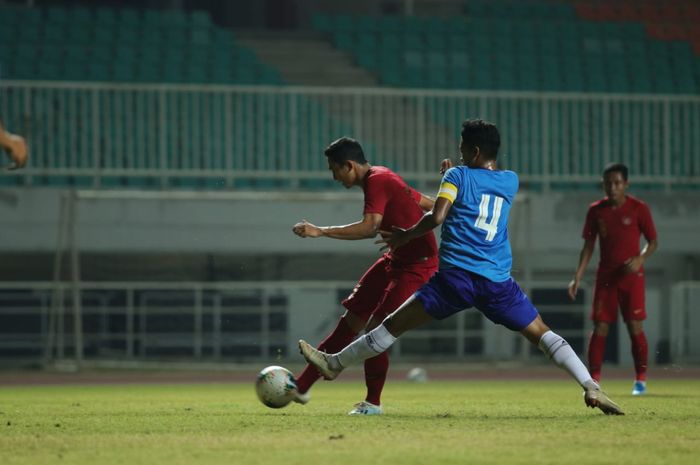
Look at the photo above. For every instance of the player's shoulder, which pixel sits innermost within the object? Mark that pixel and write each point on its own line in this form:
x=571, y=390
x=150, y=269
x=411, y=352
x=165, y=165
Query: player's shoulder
x=378, y=171
x=381, y=175
x=637, y=202
x=598, y=204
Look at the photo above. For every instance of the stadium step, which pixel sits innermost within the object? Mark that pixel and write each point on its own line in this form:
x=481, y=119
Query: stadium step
x=304, y=58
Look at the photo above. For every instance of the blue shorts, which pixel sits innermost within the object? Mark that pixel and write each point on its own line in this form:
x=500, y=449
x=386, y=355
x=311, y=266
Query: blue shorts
x=452, y=290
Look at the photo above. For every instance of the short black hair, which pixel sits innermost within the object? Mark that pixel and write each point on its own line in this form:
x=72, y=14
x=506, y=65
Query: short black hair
x=617, y=167
x=482, y=134
x=344, y=149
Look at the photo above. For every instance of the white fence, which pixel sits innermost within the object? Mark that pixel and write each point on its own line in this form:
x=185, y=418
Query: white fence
x=212, y=137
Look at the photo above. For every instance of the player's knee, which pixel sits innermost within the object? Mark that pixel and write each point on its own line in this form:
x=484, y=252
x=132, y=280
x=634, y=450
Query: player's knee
x=601, y=329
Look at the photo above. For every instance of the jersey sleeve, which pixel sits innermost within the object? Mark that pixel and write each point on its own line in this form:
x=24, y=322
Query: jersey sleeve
x=646, y=223
x=415, y=195
x=377, y=194
x=590, y=227
x=449, y=185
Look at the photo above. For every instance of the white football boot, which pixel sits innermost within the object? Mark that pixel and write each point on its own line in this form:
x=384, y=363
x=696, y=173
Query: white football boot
x=318, y=359
x=595, y=397
x=366, y=408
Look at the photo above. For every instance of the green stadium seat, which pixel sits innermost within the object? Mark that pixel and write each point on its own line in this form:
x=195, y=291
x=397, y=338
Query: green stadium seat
x=389, y=41
x=105, y=17
x=57, y=15
x=53, y=33
x=200, y=36
x=76, y=54
x=29, y=17
x=173, y=71
x=368, y=60
x=47, y=71
x=436, y=41
x=150, y=53
x=343, y=23
x=176, y=36
x=365, y=42
x=222, y=37
x=391, y=24
x=221, y=73
x=174, y=18
x=97, y=72
x=412, y=41
x=81, y=16
x=105, y=34
x=173, y=55
x=79, y=36
x=457, y=42
x=20, y=70
x=368, y=24
x=200, y=19
x=123, y=72
x=147, y=72
x=150, y=35
x=343, y=40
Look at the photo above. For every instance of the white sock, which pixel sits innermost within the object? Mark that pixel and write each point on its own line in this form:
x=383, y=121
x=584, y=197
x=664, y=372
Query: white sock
x=371, y=344
x=557, y=349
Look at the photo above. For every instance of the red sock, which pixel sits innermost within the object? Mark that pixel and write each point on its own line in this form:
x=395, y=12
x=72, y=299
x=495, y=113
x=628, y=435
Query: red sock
x=640, y=350
x=341, y=336
x=596, y=351
x=376, y=369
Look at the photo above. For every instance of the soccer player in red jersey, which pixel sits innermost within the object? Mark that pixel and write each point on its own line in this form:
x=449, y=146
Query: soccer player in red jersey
x=619, y=219
x=388, y=202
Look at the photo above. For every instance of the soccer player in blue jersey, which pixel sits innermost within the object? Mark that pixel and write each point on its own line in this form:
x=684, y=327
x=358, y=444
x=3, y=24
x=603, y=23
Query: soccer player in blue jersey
x=475, y=262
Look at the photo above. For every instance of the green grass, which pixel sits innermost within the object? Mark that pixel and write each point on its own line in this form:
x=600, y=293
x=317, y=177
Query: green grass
x=494, y=422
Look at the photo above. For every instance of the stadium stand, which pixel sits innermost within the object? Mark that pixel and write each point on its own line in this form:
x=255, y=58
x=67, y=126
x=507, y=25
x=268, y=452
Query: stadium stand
x=132, y=136
x=80, y=44
x=523, y=45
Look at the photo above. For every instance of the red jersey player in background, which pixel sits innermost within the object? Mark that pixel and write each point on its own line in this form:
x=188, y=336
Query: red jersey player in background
x=619, y=219
x=391, y=280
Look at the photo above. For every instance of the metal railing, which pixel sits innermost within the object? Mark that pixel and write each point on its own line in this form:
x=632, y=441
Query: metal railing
x=213, y=137
x=221, y=322
x=685, y=321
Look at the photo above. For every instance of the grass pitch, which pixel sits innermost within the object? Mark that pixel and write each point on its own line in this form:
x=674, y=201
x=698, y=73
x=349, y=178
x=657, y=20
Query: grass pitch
x=494, y=422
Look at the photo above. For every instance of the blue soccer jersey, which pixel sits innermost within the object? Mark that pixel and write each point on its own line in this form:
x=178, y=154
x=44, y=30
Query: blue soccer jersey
x=475, y=232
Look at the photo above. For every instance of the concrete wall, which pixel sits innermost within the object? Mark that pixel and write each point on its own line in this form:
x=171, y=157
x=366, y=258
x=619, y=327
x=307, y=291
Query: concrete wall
x=545, y=227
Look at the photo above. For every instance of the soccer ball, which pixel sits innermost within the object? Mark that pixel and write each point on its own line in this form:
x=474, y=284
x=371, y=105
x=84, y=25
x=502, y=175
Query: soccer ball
x=417, y=375
x=275, y=386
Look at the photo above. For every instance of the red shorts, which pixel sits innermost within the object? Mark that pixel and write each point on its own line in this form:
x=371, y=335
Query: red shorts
x=626, y=292
x=386, y=285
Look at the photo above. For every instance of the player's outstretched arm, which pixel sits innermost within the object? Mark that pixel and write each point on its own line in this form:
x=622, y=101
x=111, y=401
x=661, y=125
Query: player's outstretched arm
x=16, y=147
x=365, y=229
x=584, y=258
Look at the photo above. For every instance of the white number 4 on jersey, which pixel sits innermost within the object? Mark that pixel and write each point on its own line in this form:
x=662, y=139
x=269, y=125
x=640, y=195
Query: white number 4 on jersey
x=490, y=227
